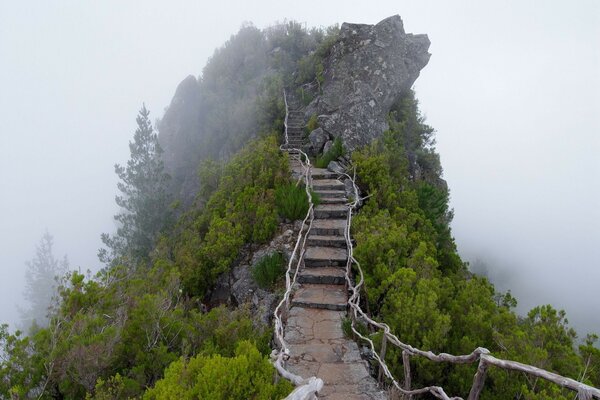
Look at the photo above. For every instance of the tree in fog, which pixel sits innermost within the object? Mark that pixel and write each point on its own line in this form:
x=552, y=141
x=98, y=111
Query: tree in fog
x=144, y=199
x=41, y=281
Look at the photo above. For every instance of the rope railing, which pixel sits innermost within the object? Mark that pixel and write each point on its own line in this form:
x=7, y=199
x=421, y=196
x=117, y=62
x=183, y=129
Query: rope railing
x=584, y=392
x=306, y=388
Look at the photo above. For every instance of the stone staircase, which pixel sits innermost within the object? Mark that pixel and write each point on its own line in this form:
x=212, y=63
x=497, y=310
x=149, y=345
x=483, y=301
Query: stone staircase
x=313, y=331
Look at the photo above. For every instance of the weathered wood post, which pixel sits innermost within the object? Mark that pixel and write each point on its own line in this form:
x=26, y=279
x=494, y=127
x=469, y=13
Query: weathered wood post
x=478, y=381
x=406, y=362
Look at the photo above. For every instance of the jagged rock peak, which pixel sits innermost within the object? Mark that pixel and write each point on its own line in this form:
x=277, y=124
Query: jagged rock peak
x=368, y=69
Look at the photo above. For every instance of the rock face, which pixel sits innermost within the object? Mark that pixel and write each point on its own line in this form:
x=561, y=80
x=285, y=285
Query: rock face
x=368, y=69
x=317, y=138
x=238, y=287
x=179, y=134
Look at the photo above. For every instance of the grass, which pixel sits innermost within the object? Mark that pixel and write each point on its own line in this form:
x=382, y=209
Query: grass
x=291, y=201
x=268, y=270
x=337, y=150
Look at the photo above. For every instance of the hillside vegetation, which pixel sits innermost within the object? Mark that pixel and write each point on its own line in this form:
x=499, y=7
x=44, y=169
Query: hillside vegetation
x=144, y=326
x=417, y=283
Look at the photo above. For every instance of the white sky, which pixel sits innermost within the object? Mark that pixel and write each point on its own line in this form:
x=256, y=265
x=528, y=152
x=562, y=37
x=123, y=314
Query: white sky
x=512, y=89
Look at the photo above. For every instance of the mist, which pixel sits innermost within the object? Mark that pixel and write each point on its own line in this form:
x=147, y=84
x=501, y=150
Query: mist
x=512, y=89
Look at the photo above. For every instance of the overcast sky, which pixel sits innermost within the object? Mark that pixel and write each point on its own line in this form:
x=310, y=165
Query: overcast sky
x=512, y=88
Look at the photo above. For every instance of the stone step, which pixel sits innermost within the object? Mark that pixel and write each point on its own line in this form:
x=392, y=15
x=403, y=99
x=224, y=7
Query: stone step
x=333, y=200
x=326, y=241
x=329, y=227
x=322, y=173
x=316, y=256
x=331, y=211
x=327, y=184
x=330, y=193
x=329, y=297
x=323, y=276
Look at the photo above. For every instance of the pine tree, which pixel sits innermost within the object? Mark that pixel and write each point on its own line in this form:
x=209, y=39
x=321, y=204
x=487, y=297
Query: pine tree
x=144, y=199
x=41, y=281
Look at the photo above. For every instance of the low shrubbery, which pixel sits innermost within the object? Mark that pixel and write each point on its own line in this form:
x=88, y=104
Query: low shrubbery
x=337, y=150
x=311, y=125
x=241, y=209
x=246, y=375
x=268, y=270
x=291, y=201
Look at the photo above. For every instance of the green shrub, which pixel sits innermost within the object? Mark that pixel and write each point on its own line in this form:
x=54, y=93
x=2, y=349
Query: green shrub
x=336, y=151
x=268, y=270
x=312, y=124
x=247, y=375
x=291, y=201
x=239, y=209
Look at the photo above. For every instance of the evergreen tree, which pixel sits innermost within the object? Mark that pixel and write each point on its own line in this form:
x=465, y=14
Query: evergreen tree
x=41, y=279
x=144, y=199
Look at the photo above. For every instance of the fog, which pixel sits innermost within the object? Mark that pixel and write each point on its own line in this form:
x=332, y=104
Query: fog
x=512, y=90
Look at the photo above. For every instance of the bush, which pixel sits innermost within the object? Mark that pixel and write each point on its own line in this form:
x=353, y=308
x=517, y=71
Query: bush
x=247, y=375
x=268, y=270
x=291, y=201
x=311, y=125
x=336, y=151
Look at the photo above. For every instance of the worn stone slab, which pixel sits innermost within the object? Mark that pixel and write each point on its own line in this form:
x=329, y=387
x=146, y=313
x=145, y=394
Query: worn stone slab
x=325, y=257
x=331, y=211
x=326, y=240
x=318, y=348
x=313, y=326
x=323, y=173
x=327, y=184
x=329, y=297
x=330, y=193
x=329, y=227
x=323, y=276
x=333, y=200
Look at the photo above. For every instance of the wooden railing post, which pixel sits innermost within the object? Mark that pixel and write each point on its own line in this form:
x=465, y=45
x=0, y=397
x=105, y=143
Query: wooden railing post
x=478, y=381
x=406, y=362
x=382, y=356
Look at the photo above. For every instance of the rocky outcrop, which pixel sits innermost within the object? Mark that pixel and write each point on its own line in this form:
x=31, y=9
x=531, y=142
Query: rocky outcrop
x=238, y=287
x=367, y=71
x=179, y=135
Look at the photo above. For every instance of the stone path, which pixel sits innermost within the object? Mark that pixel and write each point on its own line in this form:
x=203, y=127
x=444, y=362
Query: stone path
x=313, y=330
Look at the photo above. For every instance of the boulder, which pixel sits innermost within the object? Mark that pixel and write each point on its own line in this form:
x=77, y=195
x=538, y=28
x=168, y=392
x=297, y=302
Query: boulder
x=327, y=146
x=335, y=166
x=368, y=69
x=317, y=139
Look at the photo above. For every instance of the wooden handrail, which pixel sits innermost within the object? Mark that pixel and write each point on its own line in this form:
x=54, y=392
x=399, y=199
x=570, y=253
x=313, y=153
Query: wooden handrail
x=480, y=354
x=306, y=388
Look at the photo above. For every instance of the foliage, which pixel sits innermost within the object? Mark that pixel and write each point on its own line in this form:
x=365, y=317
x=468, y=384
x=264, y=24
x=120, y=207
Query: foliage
x=291, y=201
x=245, y=375
x=144, y=199
x=311, y=66
x=591, y=360
x=336, y=151
x=312, y=124
x=240, y=210
x=416, y=282
x=41, y=281
x=268, y=270
x=116, y=333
